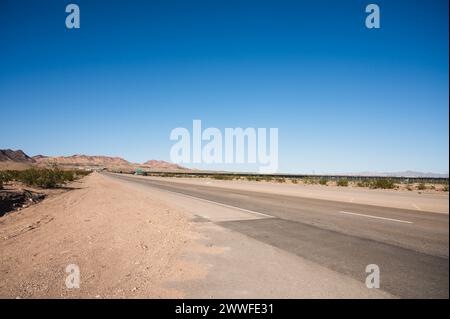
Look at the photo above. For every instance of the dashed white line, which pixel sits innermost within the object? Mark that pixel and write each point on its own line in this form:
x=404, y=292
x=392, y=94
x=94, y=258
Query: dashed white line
x=377, y=217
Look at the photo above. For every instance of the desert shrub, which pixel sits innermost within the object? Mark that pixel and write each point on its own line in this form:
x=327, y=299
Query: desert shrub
x=384, y=183
x=445, y=188
x=312, y=180
x=253, y=178
x=43, y=177
x=294, y=181
x=68, y=176
x=323, y=181
x=3, y=178
x=280, y=180
x=364, y=183
x=421, y=186
x=46, y=178
x=222, y=177
x=342, y=182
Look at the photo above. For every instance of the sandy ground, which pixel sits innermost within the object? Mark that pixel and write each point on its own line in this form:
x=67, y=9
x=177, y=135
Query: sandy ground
x=430, y=201
x=125, y=243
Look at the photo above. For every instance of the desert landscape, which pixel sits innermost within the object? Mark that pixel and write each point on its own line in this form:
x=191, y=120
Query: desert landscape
x=229, y=157
x=147, y=232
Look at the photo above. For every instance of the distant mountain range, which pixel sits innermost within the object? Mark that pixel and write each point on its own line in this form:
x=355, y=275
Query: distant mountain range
x=10, y=159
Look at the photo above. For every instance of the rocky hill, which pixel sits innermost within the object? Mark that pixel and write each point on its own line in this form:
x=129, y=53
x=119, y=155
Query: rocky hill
x=82, y=161
x=162, y=165
x=14, y=156
x=10, y=159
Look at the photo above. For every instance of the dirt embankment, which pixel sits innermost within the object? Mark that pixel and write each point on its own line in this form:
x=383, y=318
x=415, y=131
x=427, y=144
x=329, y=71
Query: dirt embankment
x=126, y=243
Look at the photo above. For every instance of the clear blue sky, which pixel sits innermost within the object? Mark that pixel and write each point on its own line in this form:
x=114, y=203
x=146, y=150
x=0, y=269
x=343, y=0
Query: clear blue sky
x=345, y=98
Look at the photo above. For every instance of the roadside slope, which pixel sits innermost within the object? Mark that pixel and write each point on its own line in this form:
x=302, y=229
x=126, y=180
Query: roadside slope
x=126, y=244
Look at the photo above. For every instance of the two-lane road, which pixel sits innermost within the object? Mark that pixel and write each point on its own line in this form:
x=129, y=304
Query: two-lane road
x=410, y=247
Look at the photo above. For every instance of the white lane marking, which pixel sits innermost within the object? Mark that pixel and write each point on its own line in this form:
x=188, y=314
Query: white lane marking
x=415, y=206
x=220, y=204
x=377, y=217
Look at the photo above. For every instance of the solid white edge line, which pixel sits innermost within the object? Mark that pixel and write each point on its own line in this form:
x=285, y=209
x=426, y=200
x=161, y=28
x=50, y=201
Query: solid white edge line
x=377, y=217
x=220, y=204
